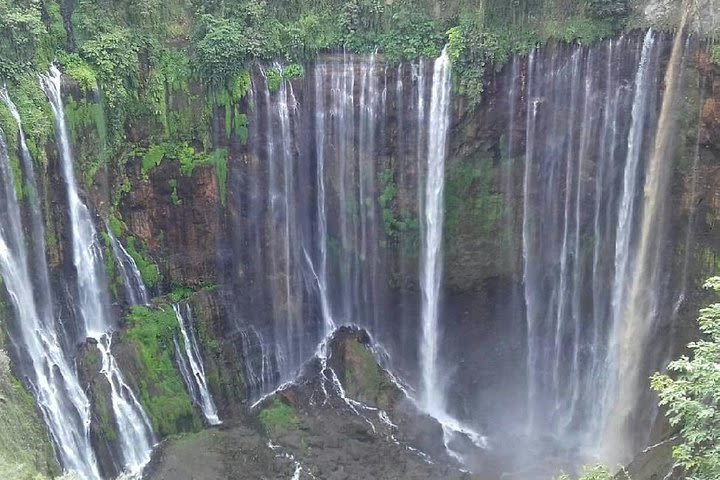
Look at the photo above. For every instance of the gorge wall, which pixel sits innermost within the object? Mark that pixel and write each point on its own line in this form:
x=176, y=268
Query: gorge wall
x=293, y=202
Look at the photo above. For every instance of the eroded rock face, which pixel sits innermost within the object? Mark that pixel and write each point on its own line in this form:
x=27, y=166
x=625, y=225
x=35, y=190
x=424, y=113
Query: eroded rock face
x=182, y=236
x=222, y=352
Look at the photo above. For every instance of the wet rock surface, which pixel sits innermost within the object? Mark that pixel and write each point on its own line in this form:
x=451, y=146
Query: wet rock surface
x=311, y=429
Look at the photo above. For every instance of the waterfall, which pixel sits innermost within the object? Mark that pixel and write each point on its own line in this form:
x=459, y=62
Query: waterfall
x=431, y=268
x=642, y=307
x=328, y=321
x=135, y=289
x=52, y=376
x=191, y=366
x=40, y=267
x=581, y=184
x=135, y=436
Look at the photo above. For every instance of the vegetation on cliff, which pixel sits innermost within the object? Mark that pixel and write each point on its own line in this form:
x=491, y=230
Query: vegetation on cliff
x=141, y=61
x=690, y=393
x=162, y=391
x=25, y=450
x=278, y=416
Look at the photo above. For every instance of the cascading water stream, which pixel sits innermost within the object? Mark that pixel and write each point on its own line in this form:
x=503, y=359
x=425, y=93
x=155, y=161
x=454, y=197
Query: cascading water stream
x=191, y=366
x=40, y=268
x=432, y=399
x=135, y=434
x=54, y=381
x=431, y=267
x=580, y=108
x=135, y=289
x=641, y=310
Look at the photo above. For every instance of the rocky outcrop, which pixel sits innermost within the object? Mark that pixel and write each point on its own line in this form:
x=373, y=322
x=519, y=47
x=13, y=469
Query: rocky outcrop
x=312, y=430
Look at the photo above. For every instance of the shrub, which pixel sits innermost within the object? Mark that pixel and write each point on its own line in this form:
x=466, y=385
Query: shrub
x=691, y=393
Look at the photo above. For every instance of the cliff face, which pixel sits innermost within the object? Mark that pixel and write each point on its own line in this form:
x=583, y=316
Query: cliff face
x=230, y=208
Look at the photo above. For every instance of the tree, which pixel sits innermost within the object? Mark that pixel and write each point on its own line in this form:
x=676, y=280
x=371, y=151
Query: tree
x=691, y=394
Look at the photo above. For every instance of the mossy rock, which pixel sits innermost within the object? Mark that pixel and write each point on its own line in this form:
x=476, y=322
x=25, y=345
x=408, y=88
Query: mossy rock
x=362, y=376
x=162, y=391
x=25, y=450
x=278, y=416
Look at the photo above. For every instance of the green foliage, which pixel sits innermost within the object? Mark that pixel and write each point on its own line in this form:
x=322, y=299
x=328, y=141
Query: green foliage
x=278, y=416
x=148, y=270
x=691, y=393
x=162, y=391
x=413, y=34
x=180, y=293
x=152, y=158
x=578, y=29
x=188, y=160
x=86, y=122
x=221, y=48
x=25, y=450
x=113, y=55
x=34, y=112
x=22, y=37
x=276, y=76
x=117, y=226
x=79, y=70
x=715, y=55
x=595, y=472
x=174, y=198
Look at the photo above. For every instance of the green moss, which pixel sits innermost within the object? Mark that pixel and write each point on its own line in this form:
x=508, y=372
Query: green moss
x=278, y=416
x=174, y=198
x=152, y=158
x=105, y=416
x=111, y=268
x=400, y=226
x=362, y=373
x=35, y=113
x=79, y=70
x=162, y=391
x=86, y=122
x=210, y=343
x=715, y=55
x=180, y=293
x=25, y=451
x=117, y=226
x=470, y=198
x=148, y=270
